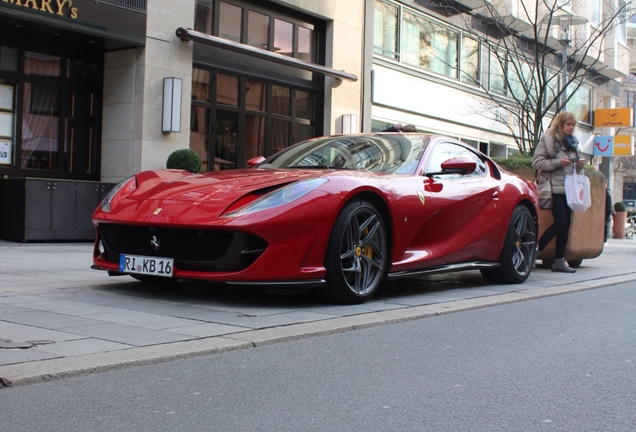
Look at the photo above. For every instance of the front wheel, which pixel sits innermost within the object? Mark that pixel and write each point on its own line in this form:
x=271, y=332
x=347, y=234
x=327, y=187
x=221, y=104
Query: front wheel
x=356, y=257
x=518, y=253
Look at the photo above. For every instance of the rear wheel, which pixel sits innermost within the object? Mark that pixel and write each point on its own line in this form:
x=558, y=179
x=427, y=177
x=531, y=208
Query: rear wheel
x=575, y=263
x=517, y=255
x=356, y=254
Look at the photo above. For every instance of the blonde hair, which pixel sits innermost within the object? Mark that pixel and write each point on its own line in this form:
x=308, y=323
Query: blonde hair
x=558, y=121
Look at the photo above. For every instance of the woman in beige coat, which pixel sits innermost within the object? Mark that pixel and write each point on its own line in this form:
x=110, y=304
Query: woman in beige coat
x=556, y=155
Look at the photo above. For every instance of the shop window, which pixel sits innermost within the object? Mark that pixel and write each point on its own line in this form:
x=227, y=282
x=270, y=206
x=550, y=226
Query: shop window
x=257, y=30
x=304, y=103
x=8, y=59
x=629, y=188
x=40, y=127
x=199, y=133
x=306, y=44
x=429, y=45
x=497, y=73
x=280, y=136
x=7, y=121
x=470, y=61
x=200, y=85
x=596, y=11
x=230, y=18
x=385, y=29
x=58, y=99
x=79, y=70
x=254, y=136
x=580, y=103
x=283, y=37
x=621, y=27
x=227, y=89
x=254, y=25
x=521, y=81
x=226, y=140
x=203, y=16
x=265, y=119
x=41, y=64
x=281, y=100
x=255, y=95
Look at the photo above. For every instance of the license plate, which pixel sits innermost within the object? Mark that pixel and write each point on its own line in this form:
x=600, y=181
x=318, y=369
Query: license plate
x=146, y=265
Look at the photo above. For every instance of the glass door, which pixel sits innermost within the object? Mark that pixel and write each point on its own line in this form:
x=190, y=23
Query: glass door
x=226, y=136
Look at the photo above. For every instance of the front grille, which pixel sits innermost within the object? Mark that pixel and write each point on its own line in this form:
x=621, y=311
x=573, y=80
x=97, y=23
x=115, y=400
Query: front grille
x=191, y=249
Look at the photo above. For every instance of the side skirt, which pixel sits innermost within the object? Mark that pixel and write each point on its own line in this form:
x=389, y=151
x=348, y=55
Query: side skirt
x=471, y=265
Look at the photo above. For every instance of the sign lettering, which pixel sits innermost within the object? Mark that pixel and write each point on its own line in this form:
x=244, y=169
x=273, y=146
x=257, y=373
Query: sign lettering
x=612, y=117
x=57, y=7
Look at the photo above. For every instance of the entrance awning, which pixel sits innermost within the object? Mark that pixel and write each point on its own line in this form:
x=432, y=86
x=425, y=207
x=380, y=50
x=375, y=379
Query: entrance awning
x=195, y=36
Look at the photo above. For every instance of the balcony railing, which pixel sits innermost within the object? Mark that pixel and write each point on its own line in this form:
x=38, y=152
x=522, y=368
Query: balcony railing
x=136, y=5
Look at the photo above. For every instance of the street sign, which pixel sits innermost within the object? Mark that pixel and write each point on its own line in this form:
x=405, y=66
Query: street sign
x=603, y=146
x=623, y=145
x=612, y=117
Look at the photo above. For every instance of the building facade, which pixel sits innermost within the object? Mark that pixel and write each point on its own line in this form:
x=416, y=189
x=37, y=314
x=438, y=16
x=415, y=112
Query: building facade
x=93, y=91
x=455, y=67
x=623, y=185
x=83, y=87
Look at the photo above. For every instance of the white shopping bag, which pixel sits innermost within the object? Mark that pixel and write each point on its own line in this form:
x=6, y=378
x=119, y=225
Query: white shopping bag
x=577, y=191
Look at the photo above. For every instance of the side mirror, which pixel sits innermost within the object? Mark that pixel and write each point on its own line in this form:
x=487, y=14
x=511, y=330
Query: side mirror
x=459, y=165
x=456, y=166
x=255, y=161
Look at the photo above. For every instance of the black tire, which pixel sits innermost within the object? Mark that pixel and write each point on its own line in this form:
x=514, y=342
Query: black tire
x=356, y=257
x=156, y=280
x=518, y=253
x=575, y=263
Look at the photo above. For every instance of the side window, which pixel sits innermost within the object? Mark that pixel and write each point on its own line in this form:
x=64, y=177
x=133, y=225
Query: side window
x=445, y=151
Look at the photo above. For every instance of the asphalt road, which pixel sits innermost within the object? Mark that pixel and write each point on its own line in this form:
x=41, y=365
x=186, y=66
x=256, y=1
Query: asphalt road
x=563, y=363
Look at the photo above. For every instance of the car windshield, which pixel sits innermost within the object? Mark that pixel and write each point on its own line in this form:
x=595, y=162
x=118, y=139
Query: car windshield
x=395, y=153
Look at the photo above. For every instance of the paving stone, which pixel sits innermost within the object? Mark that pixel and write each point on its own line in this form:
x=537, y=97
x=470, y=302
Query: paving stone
x=20, y=332
x=81, y=347
x=130, y=335
x=44, y=319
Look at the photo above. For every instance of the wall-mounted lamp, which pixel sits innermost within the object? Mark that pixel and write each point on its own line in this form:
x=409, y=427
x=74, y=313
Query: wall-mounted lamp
x=171, y=105
x=349, y=123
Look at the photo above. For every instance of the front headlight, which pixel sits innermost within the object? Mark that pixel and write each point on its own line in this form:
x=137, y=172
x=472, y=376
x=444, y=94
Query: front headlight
x=110, y=195
x=279, y=197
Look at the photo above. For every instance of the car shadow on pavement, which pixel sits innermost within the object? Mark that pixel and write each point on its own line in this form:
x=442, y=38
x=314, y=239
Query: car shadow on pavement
x=208, y=294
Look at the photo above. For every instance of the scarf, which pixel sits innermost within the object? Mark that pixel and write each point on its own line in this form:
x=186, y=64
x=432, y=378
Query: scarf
x=570, y=142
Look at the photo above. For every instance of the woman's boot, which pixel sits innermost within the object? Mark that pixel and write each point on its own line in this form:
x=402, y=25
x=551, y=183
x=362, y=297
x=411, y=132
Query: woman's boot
x=560, y=265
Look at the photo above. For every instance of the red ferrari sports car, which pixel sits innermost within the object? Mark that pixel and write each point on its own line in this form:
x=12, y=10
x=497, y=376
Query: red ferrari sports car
x=343, y=212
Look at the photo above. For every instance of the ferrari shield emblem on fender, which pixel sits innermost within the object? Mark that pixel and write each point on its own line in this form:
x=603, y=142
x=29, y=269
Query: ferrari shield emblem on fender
x=421, y=196
x=157, y=211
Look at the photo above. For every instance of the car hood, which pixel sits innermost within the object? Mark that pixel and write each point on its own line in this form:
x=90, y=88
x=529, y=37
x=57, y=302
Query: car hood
x=225, y=186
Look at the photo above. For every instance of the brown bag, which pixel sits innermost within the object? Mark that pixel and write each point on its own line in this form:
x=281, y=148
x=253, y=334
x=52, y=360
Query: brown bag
x=544, y=190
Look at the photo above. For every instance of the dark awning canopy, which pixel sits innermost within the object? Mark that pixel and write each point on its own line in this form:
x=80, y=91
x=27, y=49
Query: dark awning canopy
x=195, y=36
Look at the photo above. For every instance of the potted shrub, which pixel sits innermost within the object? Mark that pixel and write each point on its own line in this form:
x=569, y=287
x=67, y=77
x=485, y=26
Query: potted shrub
x=186, y=159
x=620, y=219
